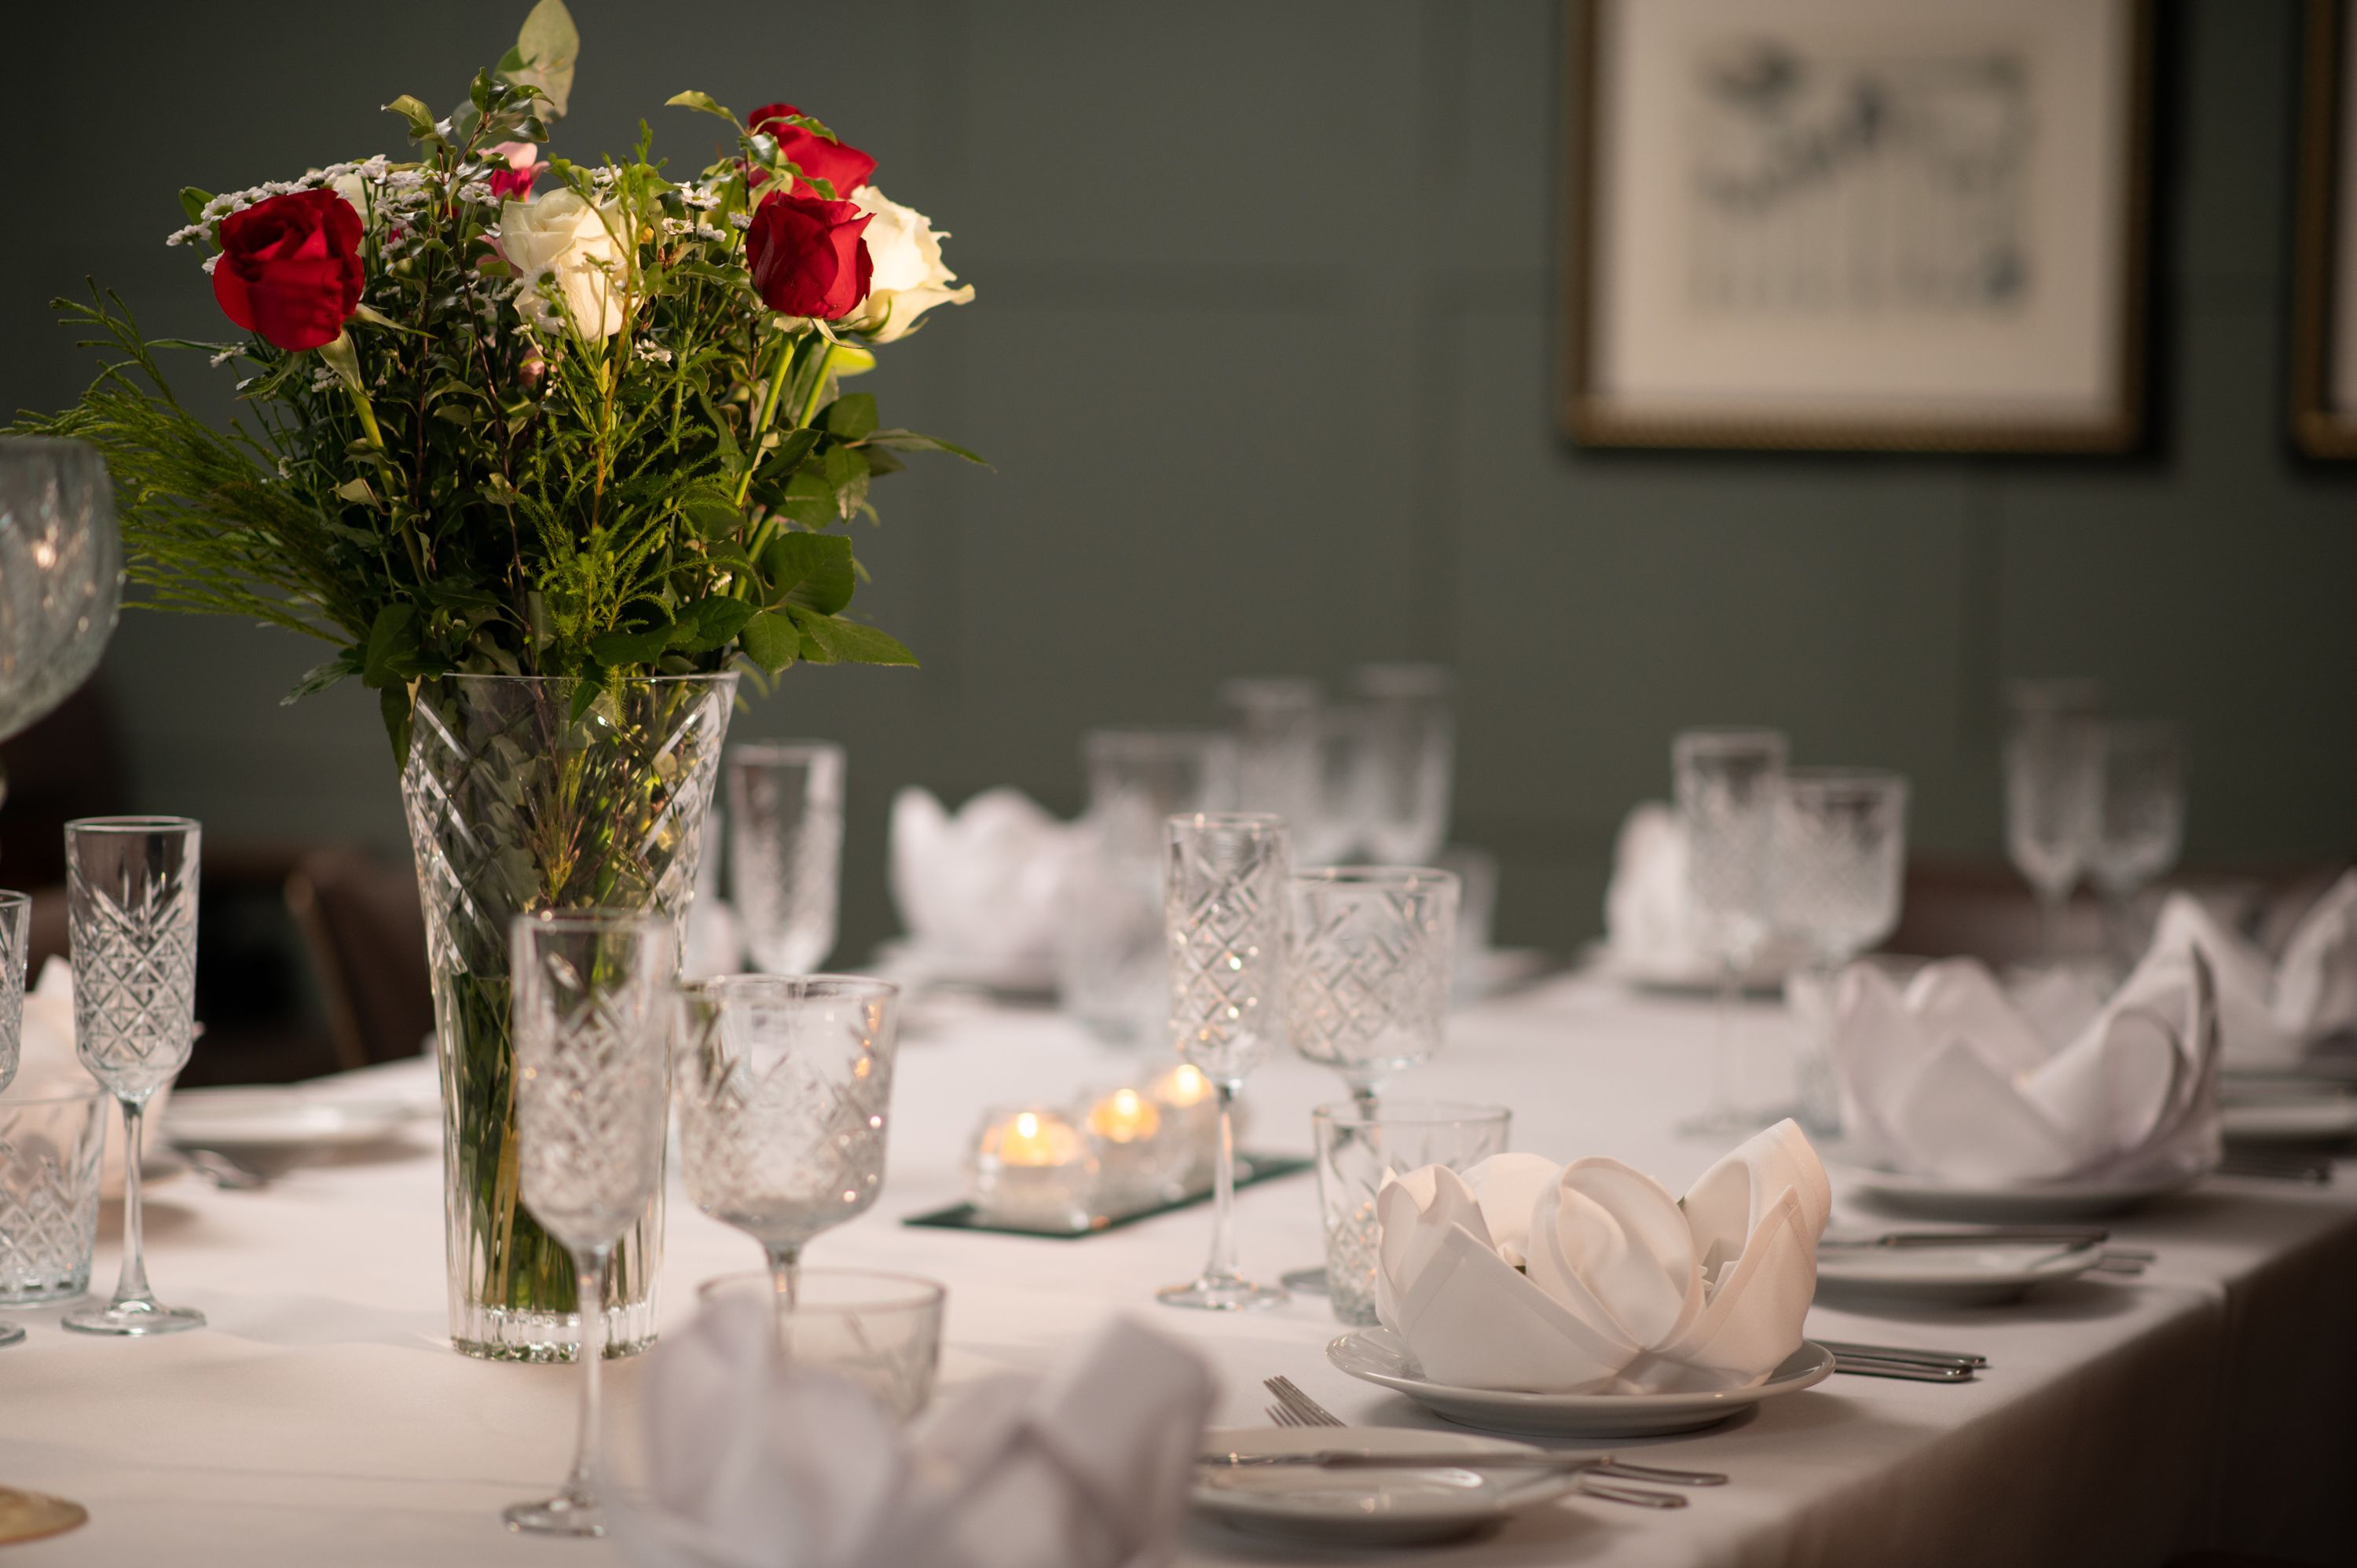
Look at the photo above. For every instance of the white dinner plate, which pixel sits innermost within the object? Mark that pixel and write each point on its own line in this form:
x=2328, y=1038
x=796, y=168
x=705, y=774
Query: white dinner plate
x=274, y=1117
x=1365, y=1507
x=1950, y=1276
x=1377, y=1356
x=2025, y=1203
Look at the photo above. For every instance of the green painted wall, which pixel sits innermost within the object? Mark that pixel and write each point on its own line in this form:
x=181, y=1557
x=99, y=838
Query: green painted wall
x=1264, y=357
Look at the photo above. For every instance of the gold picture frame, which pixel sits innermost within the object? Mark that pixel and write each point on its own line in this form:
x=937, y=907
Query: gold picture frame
x=2323, y=421
x=2105, y=413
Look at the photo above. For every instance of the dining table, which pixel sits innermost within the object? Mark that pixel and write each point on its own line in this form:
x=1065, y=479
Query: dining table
x=321, y=1416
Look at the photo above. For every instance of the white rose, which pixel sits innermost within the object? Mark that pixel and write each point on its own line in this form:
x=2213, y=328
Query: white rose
x=562, y=235
x=909, y=279
x=354, y=192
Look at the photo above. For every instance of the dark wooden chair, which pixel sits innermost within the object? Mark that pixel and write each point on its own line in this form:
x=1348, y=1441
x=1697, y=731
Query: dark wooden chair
x=366, y=937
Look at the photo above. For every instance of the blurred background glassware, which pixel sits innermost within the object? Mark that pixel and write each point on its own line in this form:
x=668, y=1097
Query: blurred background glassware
x=130, y=897
x=1034, y=1167
x=785, y=850
x=1476, y=871
x=1840, y=862
x=1727, y=784
x=61, y=574
x=880, y=1330
x=1358, y=1145
x=15, y=939
x=51, y=1142
x=1276, y=721
x=2142, y=820
x=1409, y=744
x=2054, y=790
x=1111, y=947
x=785, y=1089
x=1225, y=895
x=1348, y=792
x=593, y=1013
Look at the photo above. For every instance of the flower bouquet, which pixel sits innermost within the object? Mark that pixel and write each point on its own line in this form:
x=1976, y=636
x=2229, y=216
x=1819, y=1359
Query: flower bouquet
x=550, y=453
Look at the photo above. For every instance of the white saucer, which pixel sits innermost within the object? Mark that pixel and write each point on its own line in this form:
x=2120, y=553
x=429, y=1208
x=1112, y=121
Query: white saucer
x=2032, y=1203
x=273, y=1117
x=2291, y=1118
x=1954, y=1276
x=1377, y=1356
x=1365, y=1507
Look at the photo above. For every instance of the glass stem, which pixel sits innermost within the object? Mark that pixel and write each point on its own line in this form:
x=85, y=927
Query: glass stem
x=589, y=1269
x=1223, y=1263
x=786, y=1273
x=131, y=1289
x=1362, y=1096
x=1723, y=1059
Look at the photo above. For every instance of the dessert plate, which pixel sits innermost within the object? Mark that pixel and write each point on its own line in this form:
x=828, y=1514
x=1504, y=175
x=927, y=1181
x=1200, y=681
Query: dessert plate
x=1999, y=1203
x=273, y=1117
x=1377, y=1356
x=1366, y=1507
x=1948, y=1276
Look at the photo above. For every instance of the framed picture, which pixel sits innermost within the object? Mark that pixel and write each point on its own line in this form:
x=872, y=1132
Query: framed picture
x=1885, y=224
x=2324, y=282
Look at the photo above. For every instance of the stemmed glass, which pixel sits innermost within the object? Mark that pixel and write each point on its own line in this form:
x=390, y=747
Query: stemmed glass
x=131, y=908
x=2053, y=791
x=1728, y=783
x=61, y=574
x=16, y=929
x=592, y=1015
x=785, y=850
x=784, y=1084
x=1367, y=980
x=2142, y=818
x=1840, y=858
x=1224, y=899
x=1410, y=750
x=1277, y=726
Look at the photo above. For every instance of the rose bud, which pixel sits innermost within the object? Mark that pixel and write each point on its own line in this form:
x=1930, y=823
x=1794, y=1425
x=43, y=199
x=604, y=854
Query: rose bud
x=290, y=268
x=523, y=168
x=807, y=255
x=838, y=162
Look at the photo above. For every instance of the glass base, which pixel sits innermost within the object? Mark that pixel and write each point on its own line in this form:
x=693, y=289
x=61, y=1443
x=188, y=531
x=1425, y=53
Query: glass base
x=1309, y=1282
x=11, y=1334
x=559, y=1515
x=500, y=1334
x=1209, y=1294
x=133, y=1319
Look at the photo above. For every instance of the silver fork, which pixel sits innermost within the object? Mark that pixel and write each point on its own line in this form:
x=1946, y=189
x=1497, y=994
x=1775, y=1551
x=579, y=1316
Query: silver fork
x=1296, y=1408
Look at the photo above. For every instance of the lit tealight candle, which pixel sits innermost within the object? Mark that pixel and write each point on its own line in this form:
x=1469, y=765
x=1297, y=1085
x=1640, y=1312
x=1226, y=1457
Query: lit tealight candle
x=1126, y=1116
x=1141, y=1149
x=1191, y=1113
x=1032, y=1169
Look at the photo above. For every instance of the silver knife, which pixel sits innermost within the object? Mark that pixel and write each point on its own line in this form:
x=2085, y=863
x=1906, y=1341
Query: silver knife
x=1856, y=1350
x=1983, y=1236
x=1348, y=1459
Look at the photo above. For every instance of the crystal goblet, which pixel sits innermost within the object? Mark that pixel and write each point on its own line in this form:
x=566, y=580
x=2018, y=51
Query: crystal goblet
x=15, y=929
x=785, y=850
x=2053, y=791
x=1840, y=861
x=1727, y=782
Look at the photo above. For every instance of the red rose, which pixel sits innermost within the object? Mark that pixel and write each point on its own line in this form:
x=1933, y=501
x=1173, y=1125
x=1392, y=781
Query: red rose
x=808, y=258
x=839, y=163
x=523, y=168
x=290, y=268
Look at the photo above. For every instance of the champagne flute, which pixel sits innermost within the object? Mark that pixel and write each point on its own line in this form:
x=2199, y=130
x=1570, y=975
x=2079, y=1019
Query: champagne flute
x=130, y=897
x=592, y=1009
x=2053, y=792
x=2142, y=820
x=1841, y=859
x=1224, y=886
x=785, y=850
x=1729, y=781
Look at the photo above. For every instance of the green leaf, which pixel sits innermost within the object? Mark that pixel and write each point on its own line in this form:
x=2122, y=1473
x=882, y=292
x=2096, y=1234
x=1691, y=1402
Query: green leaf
x=811, y=569
x=419, y=118
x=632, y=647
x=851, y=416
x=909, y=441
x=810, y=500
x=585, y=692
x=193, y=202
x=722, y=618
x=394, y=704
x=771, y=641
x=549, y=44
x=319, y=677
x=702, y=102
x=391, y=640
x=848, y=642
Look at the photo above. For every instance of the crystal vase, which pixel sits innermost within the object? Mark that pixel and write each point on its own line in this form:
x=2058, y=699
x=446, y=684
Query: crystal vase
x=524, y=793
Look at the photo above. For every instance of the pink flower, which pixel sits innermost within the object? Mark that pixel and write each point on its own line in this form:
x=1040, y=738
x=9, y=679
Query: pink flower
x=523, y=168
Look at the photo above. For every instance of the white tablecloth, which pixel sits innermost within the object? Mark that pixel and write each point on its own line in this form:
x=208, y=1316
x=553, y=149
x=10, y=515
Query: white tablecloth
x=320, y=1419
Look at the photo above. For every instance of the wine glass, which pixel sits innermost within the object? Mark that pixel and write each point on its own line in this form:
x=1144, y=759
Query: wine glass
x=592, y=1015
x=1277, y=726
x=1727, y=782
x=784, y=1085
x=1224, y=901
x=1410, y=752
x=61, y=574
x=785, y=850
x=2053, y=791
x=1367, y=980
x=1840, y=858
x=130, y=897
x=15, y=930
x=2142, y=818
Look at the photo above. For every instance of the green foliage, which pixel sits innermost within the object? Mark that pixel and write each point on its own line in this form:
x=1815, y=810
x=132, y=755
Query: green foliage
x=475, y=479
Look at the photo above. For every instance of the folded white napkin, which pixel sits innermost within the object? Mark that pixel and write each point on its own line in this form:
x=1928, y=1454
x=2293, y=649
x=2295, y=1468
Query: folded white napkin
x=1648, y=930
x=1950, y=1079
x=46, y=1064
x=1590, y=1278
x=2270, y=1013
x=980, y=892
x=757, y=1466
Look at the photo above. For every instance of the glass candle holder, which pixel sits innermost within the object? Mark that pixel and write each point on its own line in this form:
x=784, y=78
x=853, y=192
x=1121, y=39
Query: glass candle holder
x=1032, y=1167
x=1140, y=1150
x=1190, y=1117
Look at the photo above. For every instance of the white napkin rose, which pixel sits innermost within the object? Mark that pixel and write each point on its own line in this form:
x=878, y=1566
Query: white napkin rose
x=909, y=277
x=2270, y=1013
x=564, y=247
x=1624, y=1290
